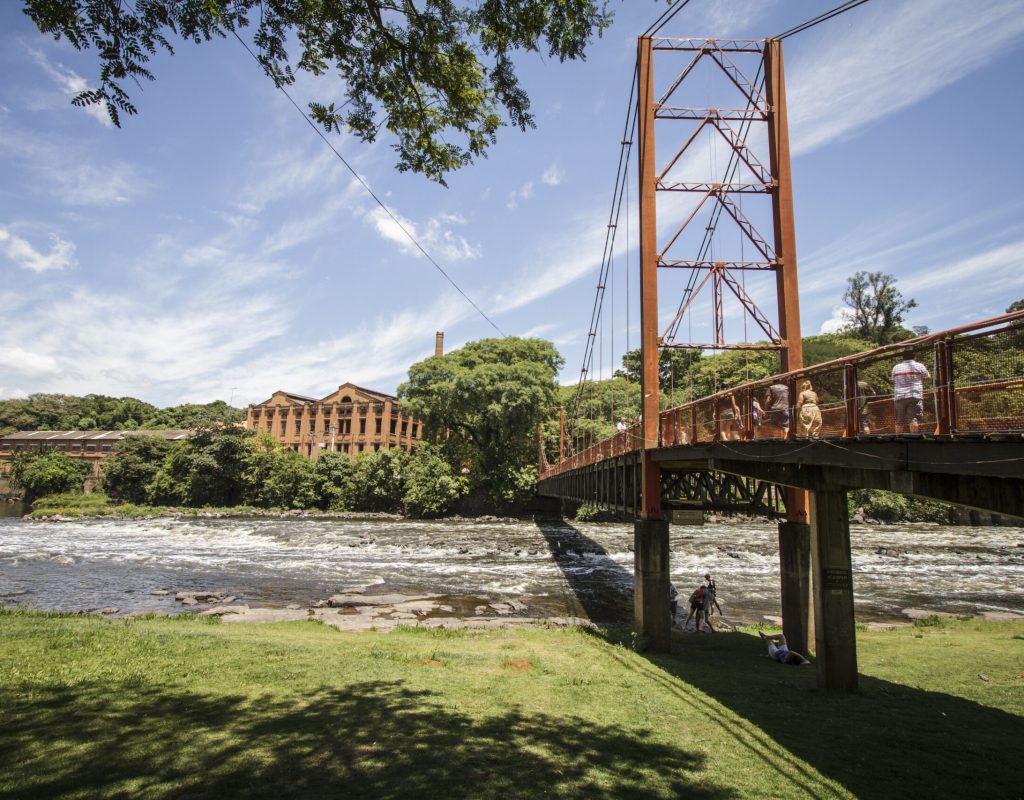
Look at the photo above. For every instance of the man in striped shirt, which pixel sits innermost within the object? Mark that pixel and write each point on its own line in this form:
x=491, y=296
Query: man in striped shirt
x=908, y=379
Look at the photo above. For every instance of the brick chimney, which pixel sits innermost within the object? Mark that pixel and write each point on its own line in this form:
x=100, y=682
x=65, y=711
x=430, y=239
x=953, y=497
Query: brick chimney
x=439, y=343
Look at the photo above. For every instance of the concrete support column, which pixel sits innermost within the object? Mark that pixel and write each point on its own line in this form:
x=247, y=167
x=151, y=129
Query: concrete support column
x=835, y=634
x=650, y=583
x=795, y=572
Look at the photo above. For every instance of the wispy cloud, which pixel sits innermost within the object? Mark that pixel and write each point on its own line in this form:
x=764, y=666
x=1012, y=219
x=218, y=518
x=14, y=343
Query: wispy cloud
x=892, y=55
x=71, y=84
x=563, y=263
x=524, y=192
x=69, y=172
x=24, y=255
x=371, y=354
x=553, y=175
x=436, y=235
x=999, y=269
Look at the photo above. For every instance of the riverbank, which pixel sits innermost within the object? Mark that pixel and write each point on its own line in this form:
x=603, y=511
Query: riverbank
x=175, y=707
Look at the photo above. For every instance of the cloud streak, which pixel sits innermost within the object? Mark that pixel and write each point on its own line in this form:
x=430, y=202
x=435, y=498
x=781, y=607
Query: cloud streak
x=886, y=63
x=24, y=255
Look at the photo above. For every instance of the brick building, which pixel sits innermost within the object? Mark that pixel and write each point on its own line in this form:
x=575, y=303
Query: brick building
x=350, y=420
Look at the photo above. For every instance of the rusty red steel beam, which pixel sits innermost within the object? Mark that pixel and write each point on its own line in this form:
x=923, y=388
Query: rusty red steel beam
x=684, y=263
x=650, y=480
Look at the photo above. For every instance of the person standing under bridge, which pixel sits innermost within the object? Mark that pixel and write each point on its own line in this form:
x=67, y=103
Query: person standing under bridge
x=908, y=379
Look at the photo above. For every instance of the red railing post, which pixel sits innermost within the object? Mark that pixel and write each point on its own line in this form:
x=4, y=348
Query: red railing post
x=852, y=397
x=945, y=395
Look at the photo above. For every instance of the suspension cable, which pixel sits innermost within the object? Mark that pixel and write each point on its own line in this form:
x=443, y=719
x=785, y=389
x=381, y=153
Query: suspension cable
x=835, y=12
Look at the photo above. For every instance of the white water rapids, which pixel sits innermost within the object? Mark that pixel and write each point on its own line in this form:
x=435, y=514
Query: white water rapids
x=555, y=570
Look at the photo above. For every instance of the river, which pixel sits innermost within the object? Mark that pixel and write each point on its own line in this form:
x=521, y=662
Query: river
x=554, y=569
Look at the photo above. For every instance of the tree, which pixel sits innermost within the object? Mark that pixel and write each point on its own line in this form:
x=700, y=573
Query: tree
x=333, y=476
x=133, y=464
x=482, y=403
x=204, y=470
x=378, y=481
x=1016, y=305
x=431, y=485
x=877, y=308
x=601, y=405
x=275, y=476
x=673, y=364
x=438, y=76
x=53, y=472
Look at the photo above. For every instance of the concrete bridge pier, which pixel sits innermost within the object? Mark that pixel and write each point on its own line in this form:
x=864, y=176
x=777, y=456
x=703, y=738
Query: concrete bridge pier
x=832, y=579
x=795, y=572
x=651, y=615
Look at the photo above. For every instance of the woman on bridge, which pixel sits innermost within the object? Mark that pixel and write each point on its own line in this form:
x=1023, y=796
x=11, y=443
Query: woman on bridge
x=729, y=418
x=810, y=414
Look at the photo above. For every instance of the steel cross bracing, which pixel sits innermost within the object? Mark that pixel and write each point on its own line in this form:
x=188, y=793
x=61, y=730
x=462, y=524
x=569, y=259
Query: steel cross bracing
x=761, y=179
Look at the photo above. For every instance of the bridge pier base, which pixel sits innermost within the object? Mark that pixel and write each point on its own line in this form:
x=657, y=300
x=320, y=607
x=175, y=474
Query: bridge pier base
x=650, y=583
x=835, y=632
x=795, y=571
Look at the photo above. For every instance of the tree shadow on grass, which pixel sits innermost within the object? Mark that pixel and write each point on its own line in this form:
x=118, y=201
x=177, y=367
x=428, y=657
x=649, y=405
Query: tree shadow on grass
x=602, y=590
x=379, y=740
x=886, y=740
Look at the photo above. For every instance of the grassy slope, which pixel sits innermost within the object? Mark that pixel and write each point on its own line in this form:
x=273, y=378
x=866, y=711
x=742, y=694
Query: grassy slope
x=175, y=708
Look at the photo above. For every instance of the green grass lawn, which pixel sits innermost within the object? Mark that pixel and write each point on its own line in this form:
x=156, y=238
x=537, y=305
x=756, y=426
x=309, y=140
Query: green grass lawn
x=183, y=708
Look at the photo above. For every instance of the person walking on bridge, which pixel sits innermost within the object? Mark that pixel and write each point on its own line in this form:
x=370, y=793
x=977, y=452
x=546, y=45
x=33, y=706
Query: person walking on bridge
x=776, y=405
x=729, y=417
x=810, y=414
x=908, y=379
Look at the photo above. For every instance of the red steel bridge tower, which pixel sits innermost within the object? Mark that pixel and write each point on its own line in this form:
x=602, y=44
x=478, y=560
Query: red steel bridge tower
x=759, y=113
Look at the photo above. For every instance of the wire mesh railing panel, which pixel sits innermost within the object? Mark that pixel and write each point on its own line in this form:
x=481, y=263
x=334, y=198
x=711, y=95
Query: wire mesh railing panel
x=988, y=381
x=967, y=380
x=704, y=421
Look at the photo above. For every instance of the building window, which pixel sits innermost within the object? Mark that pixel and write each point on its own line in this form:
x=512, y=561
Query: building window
x=405, y=426
x=107, y=448
x=284, y=427
x=360, y=448
x=298, y=426
x=394, y=423
x=380, y=425
x=90, y=448
x=376, y=447
x=312, y=424
x=270, y=425
x=76, y=447
x=415, y=429
x=362, y=427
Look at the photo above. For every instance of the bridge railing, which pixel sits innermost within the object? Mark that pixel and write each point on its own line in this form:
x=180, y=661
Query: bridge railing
x=976, y=386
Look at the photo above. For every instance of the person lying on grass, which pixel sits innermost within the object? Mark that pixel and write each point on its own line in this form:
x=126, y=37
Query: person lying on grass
x=778, y=650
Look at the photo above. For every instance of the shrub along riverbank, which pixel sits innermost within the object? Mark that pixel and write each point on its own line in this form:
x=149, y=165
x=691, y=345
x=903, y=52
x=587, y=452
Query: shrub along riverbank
x=175, y=707
x=74, y=505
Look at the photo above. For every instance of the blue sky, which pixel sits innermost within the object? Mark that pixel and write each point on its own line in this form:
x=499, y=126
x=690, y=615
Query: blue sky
x=213, y=247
